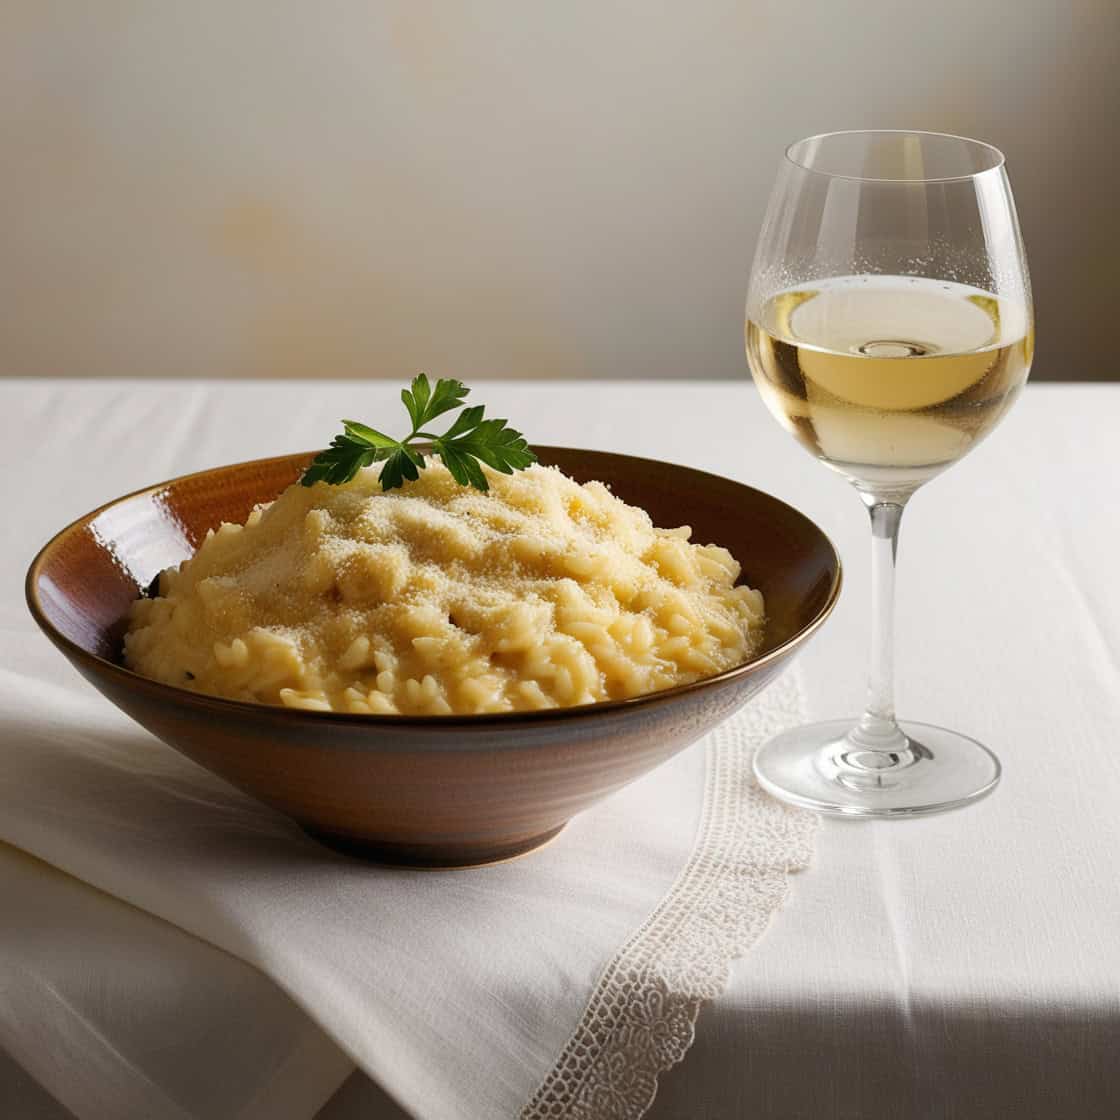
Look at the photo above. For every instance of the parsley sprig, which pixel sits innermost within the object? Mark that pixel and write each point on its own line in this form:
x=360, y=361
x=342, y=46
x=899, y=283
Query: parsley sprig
x=469, y=441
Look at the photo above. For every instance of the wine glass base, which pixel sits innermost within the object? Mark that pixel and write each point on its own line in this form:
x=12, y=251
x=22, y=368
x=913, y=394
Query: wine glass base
x=807, y=766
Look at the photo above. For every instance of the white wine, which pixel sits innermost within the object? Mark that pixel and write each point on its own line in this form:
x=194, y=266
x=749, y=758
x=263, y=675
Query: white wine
x=889, y=379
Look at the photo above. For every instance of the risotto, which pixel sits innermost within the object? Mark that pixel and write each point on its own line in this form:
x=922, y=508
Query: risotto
x=439, y=599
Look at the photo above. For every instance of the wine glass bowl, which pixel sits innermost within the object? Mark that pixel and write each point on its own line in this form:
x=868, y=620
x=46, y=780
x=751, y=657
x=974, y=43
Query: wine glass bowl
x=888, y=329
x=889, y=380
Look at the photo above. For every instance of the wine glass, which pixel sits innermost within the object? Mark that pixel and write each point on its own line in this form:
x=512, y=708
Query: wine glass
x=889, y=329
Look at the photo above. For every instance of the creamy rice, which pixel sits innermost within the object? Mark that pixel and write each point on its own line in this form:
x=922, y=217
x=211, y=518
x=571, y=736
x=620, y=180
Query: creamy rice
x=436, y=598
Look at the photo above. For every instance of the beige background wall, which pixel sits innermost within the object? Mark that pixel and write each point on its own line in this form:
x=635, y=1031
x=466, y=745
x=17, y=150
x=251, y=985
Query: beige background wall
x=497, y=187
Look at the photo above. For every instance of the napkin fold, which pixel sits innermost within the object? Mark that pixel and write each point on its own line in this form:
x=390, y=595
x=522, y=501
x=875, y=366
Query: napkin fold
x=560, y=984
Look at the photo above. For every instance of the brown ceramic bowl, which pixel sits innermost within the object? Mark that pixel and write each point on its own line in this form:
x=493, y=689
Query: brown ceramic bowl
x=427, y=790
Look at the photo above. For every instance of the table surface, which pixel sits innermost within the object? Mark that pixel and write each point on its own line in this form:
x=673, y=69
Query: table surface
x=953, y=966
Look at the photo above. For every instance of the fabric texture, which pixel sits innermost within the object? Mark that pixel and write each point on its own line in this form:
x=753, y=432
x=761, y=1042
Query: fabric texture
x=957, y=967
x=641, y=1016
x=463, y=994
x=404, y=969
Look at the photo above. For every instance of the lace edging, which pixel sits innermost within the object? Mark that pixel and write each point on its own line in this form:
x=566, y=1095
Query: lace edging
x=641, y=1017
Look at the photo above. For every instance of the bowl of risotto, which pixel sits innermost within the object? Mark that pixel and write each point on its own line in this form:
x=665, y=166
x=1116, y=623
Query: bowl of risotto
x=435, y=675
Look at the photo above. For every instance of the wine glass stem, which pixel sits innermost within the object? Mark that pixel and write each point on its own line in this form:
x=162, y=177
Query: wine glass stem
x=876, y=743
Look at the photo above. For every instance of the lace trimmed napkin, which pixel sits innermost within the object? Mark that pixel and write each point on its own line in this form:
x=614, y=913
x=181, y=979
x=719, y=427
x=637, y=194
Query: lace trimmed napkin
x=559, y=985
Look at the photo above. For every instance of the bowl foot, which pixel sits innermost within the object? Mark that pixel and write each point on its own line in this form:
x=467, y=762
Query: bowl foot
x=430, y=857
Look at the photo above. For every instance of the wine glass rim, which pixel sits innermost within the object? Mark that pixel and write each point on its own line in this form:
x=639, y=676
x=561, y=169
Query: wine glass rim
x=997, y=165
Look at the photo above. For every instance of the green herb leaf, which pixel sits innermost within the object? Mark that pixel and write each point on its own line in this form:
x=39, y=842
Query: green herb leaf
x=447, y=395
x=464, y=447
x=416, y=399
x=491, y=441
x=466, y=420
x=366, y=434
x=341, y=461
x=399, y=466
x=463, y=468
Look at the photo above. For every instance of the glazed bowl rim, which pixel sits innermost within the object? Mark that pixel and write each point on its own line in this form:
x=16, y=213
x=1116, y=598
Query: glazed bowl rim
x=224, y=705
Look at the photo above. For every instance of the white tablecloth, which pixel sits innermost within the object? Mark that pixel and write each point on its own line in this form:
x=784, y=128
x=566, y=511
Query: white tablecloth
x=959, y=966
